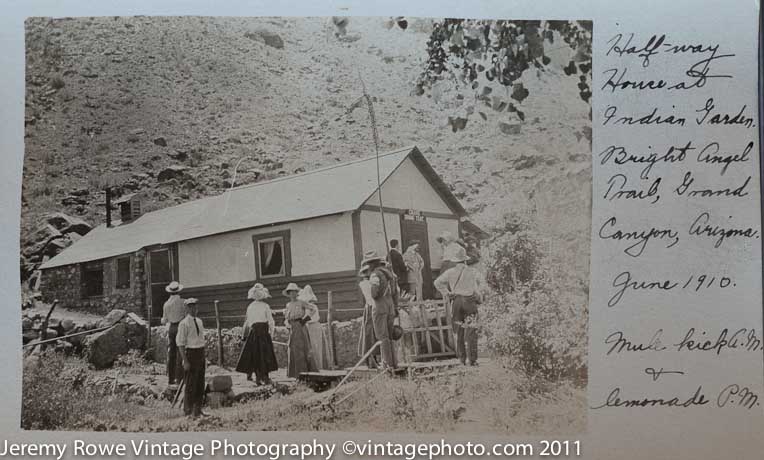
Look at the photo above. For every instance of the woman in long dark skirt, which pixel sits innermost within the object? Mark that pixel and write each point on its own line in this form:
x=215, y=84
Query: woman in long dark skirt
x=297, y=315
x=257, y=355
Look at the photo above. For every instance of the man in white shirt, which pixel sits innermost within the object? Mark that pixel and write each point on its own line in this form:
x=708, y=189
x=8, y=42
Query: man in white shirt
x=461, y=285
x=173, y=312
x=190, y=341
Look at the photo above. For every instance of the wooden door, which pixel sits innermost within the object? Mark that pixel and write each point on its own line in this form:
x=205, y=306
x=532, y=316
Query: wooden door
x=414, y=227
x=161, y=274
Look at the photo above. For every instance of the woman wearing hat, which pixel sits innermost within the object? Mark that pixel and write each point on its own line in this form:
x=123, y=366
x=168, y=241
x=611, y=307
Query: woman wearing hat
x=297, y=314
x=257, y=355
x=315, y=329
x=415, y=265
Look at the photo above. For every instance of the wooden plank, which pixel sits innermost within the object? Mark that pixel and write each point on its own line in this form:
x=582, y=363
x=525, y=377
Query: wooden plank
x=220, y=335
x=330, y=332
x=439, y=325
x=426, y=322
x=357, y=238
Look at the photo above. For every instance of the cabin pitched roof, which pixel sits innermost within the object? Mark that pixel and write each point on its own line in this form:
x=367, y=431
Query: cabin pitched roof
x=302, y=196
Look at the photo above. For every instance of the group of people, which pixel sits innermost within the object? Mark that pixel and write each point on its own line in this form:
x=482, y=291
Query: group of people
x=381, y=283
x=408, y=267
x=186, y=351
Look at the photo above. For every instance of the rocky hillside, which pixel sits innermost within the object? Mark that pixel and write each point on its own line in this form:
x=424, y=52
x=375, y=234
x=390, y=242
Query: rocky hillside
x=120, y=100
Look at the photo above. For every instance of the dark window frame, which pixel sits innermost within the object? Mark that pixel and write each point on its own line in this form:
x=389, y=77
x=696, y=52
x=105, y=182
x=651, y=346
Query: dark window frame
x=91, y=267
x=286, y=247
x=126, y=284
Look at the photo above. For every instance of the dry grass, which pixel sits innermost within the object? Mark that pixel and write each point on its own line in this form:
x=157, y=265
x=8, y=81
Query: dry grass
x=489, y=399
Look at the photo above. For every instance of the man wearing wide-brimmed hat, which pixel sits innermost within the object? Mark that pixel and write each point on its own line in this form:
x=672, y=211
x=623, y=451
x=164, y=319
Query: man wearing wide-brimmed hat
x=449, y=247
x=461, y=285
x=384, y=293
x=191, y=345
x=173, y=313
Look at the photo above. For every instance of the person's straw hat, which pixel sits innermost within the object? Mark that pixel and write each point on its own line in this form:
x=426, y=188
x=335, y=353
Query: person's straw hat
x=460, y=255
x=290, y=287
x=258, y=292
x=191, y=301
x=174, y=287
x=307, y=294
x=371, y=256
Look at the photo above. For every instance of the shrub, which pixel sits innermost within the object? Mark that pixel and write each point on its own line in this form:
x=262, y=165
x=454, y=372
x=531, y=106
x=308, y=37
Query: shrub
x=47, y=392
x=56, y=396
x=514, y=259
x=543, y=329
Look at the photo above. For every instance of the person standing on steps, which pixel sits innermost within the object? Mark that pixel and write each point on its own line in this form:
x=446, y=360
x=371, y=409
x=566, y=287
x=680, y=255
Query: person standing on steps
x=398, y=265
x=415, y=265
x=191, y=346
x=460, y=284
x=173, y=312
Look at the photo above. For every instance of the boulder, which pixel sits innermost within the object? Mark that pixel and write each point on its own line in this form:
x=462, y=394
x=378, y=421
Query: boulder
x=45, y=233
x=29, y=336
x=219, y=383
x=54, y=247
x=111, y=318
x=269, y=38
x=103, y=348
x=216, y=400
x=180, y=155
x=172, y=172
x=510, y=129
x=73, y=200
x=160, y=141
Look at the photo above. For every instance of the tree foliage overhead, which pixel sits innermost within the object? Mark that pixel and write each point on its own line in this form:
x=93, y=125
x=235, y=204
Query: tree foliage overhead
x=489, y=58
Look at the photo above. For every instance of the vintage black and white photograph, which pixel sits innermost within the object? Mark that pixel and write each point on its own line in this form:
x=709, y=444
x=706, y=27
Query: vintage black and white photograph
x=346, y=224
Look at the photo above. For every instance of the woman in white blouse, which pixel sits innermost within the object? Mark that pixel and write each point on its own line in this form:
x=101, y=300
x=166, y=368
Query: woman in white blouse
x=257, y=355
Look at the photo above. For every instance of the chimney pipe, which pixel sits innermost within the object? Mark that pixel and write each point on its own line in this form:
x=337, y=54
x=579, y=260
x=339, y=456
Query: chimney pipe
x=108, y=207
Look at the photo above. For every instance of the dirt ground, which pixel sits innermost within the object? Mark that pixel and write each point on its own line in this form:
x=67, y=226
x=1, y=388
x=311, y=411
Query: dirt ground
x=481, y=400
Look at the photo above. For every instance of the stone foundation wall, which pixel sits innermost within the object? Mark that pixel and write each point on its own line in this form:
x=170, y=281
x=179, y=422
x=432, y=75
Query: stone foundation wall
x=65, y=284
x=62, y=283
x=346, y=344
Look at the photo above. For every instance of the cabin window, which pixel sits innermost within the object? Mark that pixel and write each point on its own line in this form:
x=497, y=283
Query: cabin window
x=92, y=280
x=123, y=273
x=272, y=255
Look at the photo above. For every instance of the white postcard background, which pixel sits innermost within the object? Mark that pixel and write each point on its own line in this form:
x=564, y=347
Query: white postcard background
x=613, y=434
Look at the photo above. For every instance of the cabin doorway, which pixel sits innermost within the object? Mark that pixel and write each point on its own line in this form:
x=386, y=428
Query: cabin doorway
x=160, y=275
x=414, y=228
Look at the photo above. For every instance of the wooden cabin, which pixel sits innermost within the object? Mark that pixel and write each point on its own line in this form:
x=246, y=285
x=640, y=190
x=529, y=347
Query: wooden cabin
x=309, y=228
